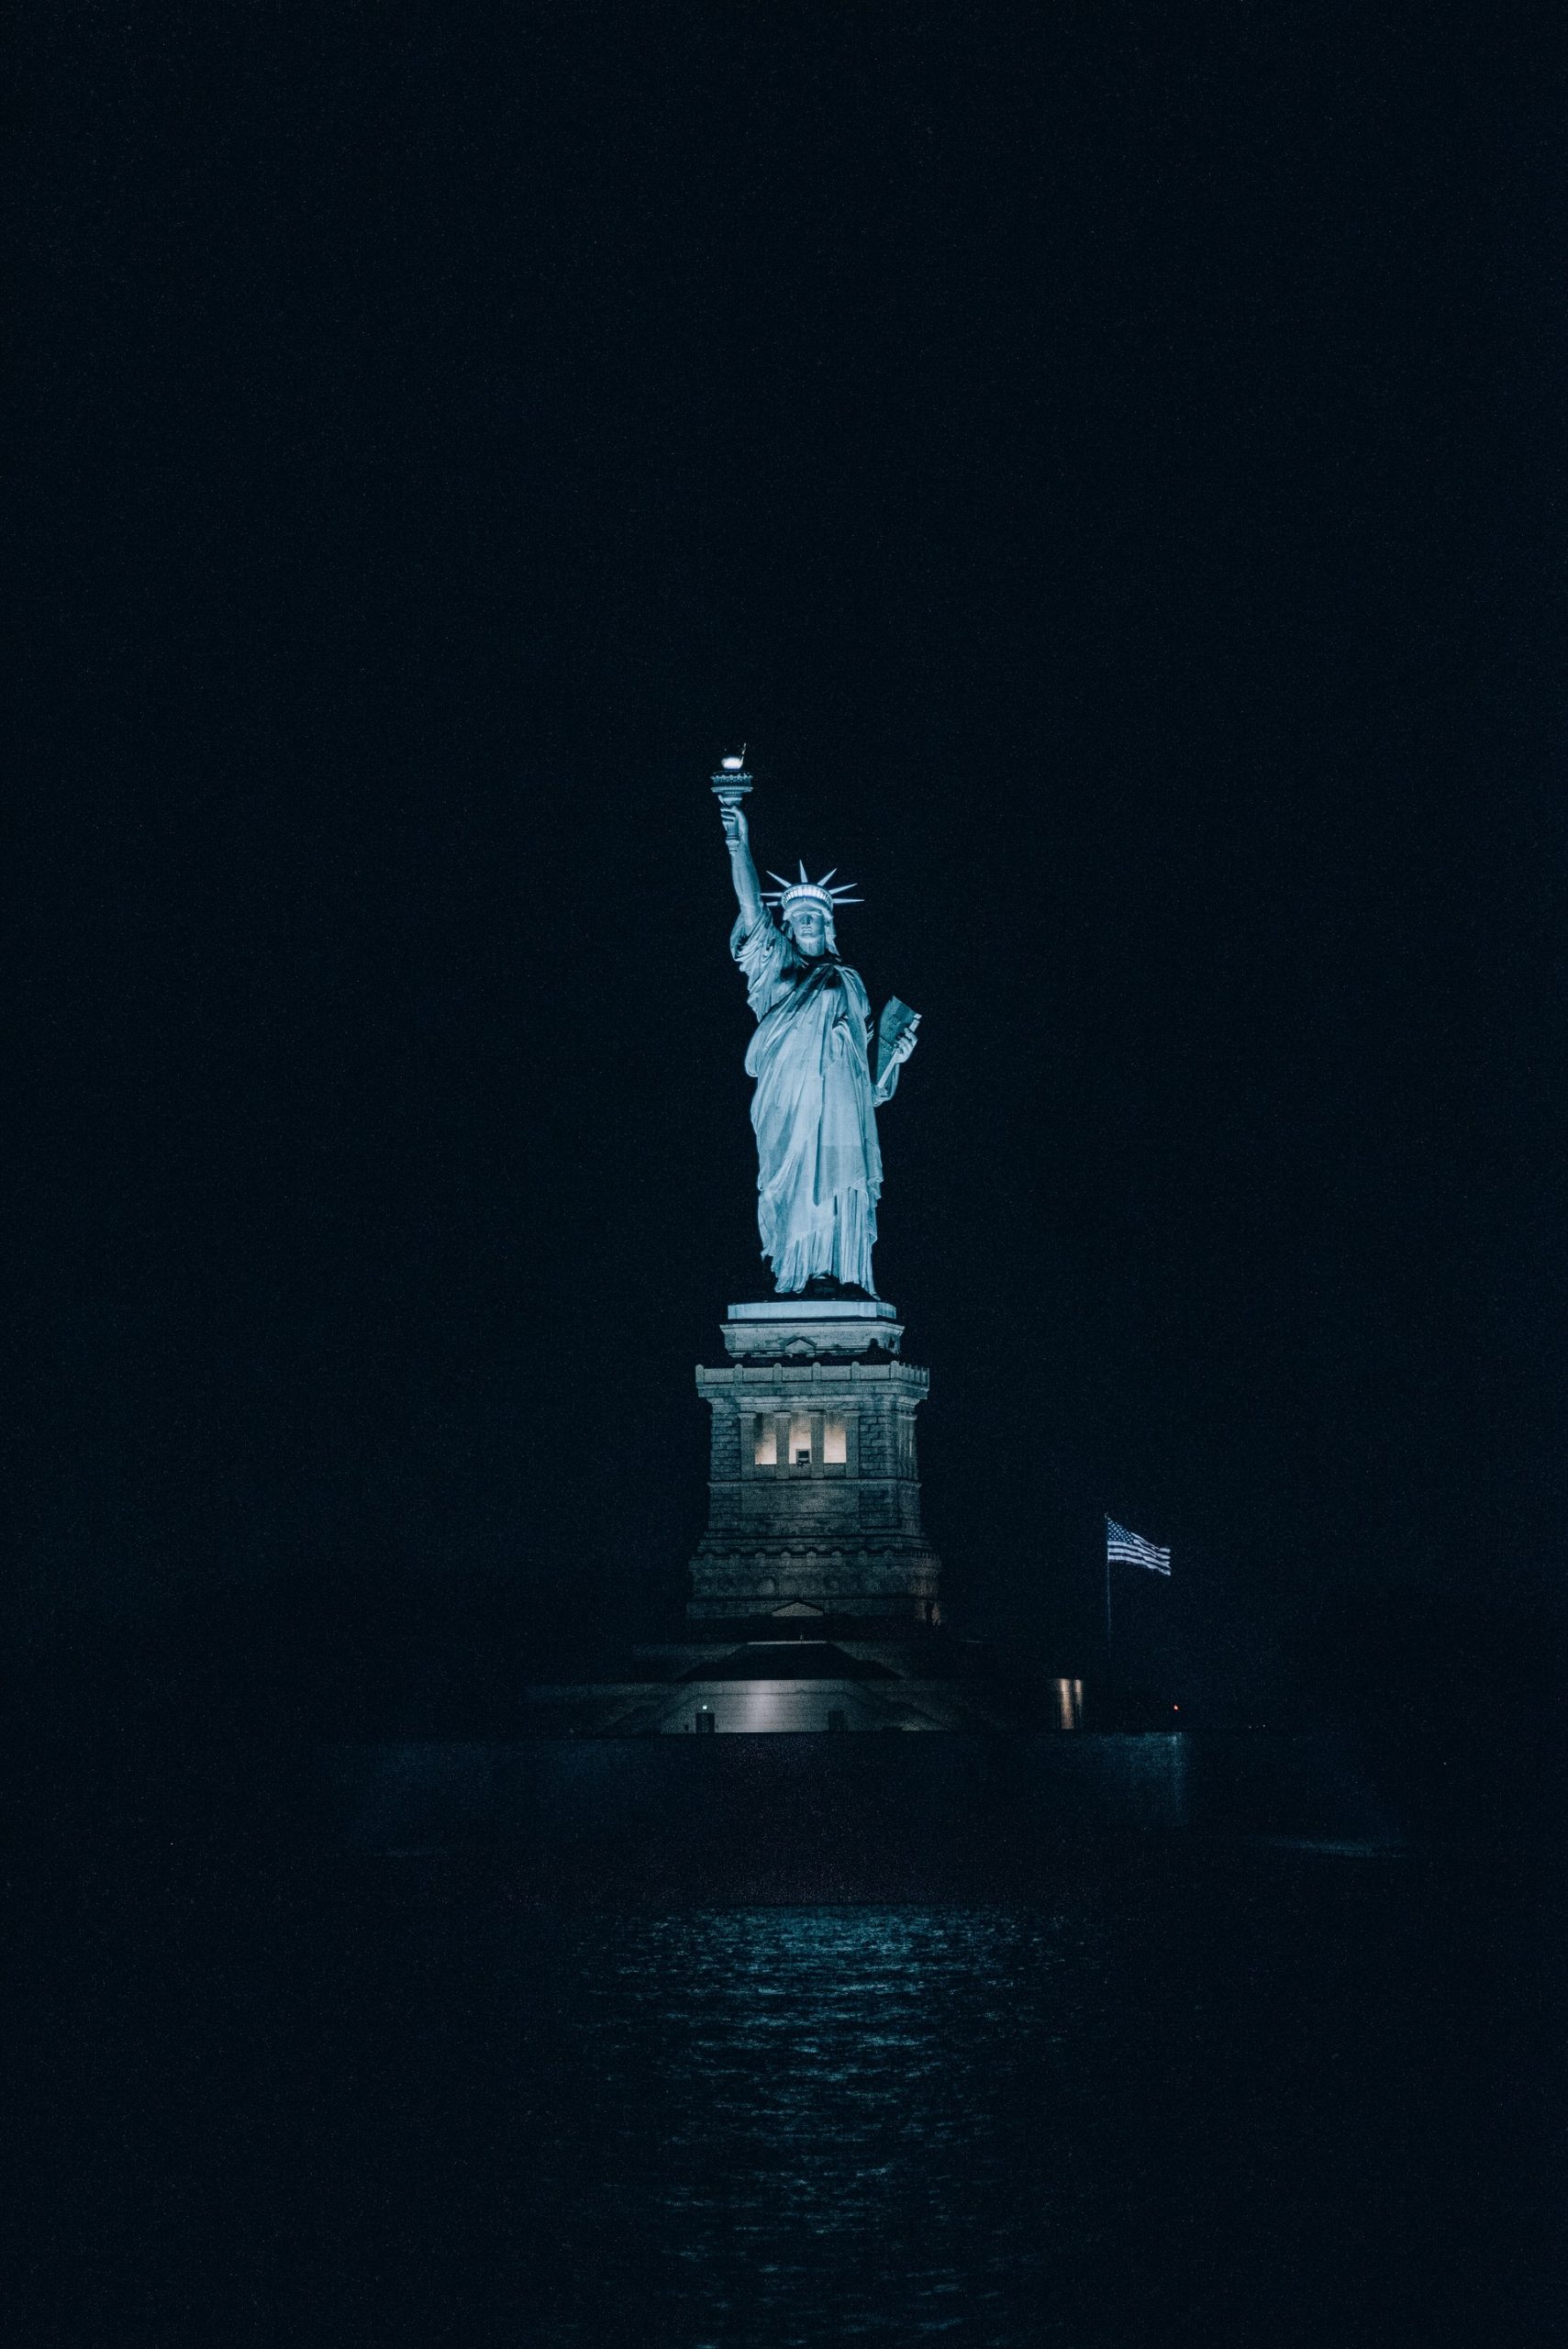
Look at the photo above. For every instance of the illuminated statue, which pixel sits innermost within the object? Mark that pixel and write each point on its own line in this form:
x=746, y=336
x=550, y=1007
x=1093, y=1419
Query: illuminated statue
x=819, y=1169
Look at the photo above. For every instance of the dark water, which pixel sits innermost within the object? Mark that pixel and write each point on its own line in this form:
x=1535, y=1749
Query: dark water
x=1244, y=2095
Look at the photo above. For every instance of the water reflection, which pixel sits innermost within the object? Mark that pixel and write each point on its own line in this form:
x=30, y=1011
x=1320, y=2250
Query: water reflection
x=831, y=2104
x=1142, y=2109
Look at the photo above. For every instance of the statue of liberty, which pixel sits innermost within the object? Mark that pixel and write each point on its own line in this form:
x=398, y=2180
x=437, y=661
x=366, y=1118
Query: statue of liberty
x=817, y=1089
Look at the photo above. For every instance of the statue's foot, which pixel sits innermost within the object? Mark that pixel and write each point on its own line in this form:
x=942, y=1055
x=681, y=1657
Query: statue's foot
x=826, y=1284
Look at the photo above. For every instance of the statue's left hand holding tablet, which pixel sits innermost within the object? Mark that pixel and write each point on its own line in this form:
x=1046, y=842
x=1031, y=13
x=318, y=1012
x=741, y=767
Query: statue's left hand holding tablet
x=904, y=1043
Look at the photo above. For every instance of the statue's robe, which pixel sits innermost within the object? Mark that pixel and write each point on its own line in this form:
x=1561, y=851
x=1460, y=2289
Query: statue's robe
x=819, y=1166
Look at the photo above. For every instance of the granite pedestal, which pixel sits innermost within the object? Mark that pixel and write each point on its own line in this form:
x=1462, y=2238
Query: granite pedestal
x=813, y=1506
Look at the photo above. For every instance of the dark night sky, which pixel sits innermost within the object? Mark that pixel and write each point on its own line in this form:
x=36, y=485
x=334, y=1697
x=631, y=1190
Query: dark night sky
x=1104, y=460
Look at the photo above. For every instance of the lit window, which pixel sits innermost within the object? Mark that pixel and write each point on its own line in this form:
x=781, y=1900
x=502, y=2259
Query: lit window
x=800, y=1441
x=835, y=1451
x=765, y=1440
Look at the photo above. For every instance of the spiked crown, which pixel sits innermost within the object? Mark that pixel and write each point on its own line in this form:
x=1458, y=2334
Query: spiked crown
x=815, y=893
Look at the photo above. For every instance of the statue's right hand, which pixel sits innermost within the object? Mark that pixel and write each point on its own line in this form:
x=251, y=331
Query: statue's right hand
x=735, y=830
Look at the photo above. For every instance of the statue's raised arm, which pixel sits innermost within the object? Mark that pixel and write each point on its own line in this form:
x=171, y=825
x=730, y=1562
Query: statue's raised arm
x=814, y=1110
x=742, y=872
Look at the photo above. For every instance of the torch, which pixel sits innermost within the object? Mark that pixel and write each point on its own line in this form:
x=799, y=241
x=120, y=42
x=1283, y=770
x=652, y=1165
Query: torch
x=731, y=784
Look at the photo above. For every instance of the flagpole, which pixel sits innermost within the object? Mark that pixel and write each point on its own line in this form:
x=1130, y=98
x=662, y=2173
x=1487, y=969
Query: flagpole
x=1109, y=1670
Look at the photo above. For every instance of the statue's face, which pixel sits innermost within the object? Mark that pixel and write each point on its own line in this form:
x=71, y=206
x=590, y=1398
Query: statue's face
x=807, y=927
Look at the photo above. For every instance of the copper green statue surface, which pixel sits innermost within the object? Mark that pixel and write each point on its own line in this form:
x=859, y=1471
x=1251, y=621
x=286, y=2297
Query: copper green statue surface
x=821, y=1071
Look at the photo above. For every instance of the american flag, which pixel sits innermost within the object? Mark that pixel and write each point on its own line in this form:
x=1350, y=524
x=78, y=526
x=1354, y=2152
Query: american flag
x=1126, y=1548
